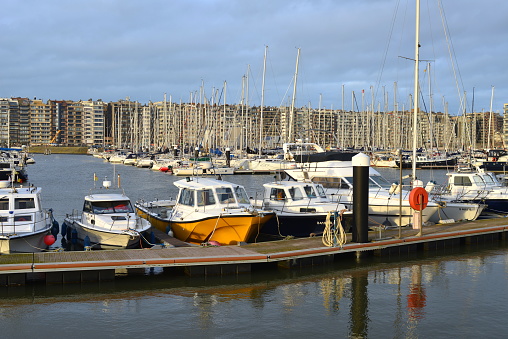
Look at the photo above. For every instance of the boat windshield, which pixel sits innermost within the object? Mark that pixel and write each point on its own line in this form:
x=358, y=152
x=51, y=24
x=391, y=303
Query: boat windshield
x=205, y=197
x=225, y=195
x=4, y=204
x=321, y=191
x=489, y=180
x=105, y=207
x=241, y=195
x=295, y=193
x=24, y=203
x=379, y=181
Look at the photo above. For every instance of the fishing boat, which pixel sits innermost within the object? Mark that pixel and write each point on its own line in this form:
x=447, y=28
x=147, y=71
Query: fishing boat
x=207, y=211
x=24, y=225
x=107, y=221
x=301, y=209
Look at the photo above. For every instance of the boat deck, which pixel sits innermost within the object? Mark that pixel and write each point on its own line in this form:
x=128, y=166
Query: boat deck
x=79, y=266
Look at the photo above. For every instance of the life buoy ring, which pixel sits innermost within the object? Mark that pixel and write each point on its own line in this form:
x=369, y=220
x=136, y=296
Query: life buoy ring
x=418, y=198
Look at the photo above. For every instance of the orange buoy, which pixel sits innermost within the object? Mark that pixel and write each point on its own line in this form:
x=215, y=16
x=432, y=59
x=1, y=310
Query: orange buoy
x=418, y=198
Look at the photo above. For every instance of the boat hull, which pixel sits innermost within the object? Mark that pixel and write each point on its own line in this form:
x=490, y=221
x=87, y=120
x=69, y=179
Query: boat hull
x=100, y=239
x=24, y=243
x=226, y=230
x=457, y=211
x=303, y=225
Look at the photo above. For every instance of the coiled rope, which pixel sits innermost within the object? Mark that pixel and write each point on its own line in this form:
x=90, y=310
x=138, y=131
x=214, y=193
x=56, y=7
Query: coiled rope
x=334, y=234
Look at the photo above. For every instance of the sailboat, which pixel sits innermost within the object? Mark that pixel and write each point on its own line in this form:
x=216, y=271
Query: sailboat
x=448, y=207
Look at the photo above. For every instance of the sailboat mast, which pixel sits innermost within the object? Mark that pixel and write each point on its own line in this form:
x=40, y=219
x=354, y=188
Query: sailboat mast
x=292, y=112
x=262, y=104
x=490, y=118
x=415, y=98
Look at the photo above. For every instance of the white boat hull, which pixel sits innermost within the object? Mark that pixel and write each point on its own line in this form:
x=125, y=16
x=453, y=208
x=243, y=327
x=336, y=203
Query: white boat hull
x=102, y=239
x=23, y=243
x=457, y=211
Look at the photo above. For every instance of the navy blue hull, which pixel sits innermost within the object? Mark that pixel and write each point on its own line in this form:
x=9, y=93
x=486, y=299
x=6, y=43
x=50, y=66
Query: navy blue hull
x=495, y=166
x=496, y=205
x=300, y=226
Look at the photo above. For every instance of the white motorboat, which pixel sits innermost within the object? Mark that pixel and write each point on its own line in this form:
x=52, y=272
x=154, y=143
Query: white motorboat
x=107, y=221
x=207, y=211
x=478, y=187
x=270, y=165
x=385, y=199
x=24, y=225
x=301, y=209
x=203, y=168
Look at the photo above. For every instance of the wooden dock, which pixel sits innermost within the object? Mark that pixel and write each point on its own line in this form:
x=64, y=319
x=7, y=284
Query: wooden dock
x=83, y=266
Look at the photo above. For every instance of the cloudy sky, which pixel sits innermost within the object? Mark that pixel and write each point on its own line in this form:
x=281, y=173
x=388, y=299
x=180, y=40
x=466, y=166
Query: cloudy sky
x=141, y=49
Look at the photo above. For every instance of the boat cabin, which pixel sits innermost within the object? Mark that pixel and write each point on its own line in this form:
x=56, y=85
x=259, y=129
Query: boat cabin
x=210, y=192
x=20, y=210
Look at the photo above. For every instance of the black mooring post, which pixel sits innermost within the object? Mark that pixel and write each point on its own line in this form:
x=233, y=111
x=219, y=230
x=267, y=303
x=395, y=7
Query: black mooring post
x=361, y=165
x=228, y=157
x=175, y=151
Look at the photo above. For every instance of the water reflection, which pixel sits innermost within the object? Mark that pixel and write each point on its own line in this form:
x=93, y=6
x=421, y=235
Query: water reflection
x=374, y=297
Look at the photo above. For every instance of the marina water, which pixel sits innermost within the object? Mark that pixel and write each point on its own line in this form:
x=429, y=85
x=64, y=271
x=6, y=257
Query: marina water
x=450, y=293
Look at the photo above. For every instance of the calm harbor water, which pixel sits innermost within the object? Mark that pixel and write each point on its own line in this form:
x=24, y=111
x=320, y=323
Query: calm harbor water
x=453, y=293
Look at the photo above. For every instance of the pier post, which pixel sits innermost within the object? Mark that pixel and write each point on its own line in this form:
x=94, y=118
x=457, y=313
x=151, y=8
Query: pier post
x=361, y=166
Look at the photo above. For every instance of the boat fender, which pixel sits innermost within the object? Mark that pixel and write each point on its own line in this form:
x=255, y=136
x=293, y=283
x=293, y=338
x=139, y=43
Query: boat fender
x=55, y=229
x=74, y=236
x=418, y=198
x=169, y=231
x=393, y=187
x=86, y=242
x=49, y=239
x=430, y=186
x=64, y=229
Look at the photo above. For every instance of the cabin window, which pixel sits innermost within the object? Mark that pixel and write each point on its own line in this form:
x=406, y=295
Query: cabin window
x=277, y=194
x=309, y=191
x=225, y=195
x=24, y=203
x=4, y=204
x=87, y=207
x=331, y=182
x=462, y=181
x=3, y=219
x=23, y=218
x=186, y=197
x=295, y=193
x=122, y=206
x=241, y=195
x=321, y=191
x=104, y=207
x=488, y=180
x=205, y=198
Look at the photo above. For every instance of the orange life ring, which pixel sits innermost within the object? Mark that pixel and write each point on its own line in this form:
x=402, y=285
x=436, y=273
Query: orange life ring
x=418, y=198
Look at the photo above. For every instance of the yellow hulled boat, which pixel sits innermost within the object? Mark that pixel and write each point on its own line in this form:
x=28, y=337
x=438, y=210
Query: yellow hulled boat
x=207, y=211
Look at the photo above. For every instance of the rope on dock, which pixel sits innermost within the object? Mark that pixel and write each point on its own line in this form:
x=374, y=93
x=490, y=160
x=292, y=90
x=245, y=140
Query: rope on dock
x=334, y=236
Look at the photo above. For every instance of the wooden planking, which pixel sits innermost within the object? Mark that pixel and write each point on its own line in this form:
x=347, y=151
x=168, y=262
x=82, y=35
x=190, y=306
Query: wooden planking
x=251, y=253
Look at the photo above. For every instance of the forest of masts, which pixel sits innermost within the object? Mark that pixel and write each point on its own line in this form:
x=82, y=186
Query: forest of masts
x=208, y=124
